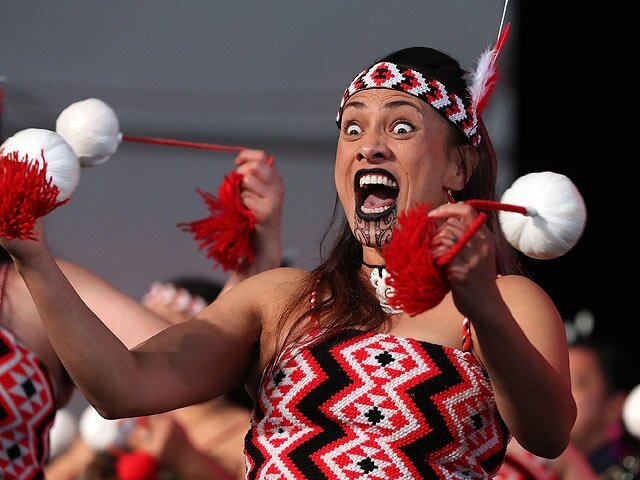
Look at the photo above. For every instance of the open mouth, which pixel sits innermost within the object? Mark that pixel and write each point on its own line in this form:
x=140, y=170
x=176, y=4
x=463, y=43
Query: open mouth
x=376, y=192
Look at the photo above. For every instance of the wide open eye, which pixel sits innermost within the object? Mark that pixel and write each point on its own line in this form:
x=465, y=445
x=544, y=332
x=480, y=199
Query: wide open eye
x=352, y=129
x=403, y=127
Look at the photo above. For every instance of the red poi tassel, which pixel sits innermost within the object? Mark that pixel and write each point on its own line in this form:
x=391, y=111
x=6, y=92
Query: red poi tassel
x=416, y=276
x=137, y=465
x=226, y=232
x=26, y=195
x=418, y=282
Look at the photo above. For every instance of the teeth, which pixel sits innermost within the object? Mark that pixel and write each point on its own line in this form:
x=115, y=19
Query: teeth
x=368, y=210
x=371, y=179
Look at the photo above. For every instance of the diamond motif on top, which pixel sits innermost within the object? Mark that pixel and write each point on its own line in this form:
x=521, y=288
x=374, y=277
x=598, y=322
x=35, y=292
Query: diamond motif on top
x=283, y=426
x=27, y=392
x=473, y=421
x=446, y=422
x=377, y=407
x=26, y=411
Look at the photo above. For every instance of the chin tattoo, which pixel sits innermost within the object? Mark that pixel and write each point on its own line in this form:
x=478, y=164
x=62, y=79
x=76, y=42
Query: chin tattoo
x=381, y=228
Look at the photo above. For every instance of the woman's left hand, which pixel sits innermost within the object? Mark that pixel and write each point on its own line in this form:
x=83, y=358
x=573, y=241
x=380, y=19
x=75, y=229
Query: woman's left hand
x=472, y=272
x=262, y=193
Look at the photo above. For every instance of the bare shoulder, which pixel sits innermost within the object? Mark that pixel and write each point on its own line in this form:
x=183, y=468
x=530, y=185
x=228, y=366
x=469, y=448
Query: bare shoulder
x=251, y=308
x=522, y=293
x=270, y=285
x=284, y=275
x=537, y=316
x=265, y=291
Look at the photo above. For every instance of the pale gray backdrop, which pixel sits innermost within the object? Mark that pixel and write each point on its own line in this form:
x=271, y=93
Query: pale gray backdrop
x=253, y=73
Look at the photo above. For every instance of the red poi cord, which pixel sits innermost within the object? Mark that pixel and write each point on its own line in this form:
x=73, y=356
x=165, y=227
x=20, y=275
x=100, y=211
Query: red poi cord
x=225, y=233
x=417, y=277
x=182, y=143
x=477, y=223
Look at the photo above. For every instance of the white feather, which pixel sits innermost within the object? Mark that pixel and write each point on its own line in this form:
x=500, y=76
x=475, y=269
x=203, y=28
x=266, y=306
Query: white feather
x=480, y=79
x=483, y=77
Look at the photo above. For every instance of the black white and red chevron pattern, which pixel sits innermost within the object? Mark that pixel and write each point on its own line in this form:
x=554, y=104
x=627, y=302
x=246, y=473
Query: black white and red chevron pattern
x=360, y=405
x=407, y=80
x=27, y=409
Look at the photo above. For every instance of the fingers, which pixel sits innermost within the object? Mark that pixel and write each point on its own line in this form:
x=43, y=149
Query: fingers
x=457, y=210
x=262, y=189
x=454, y=220
x=255, y=185
x=171, y=302
x=259, y=157
x=255, y=162
x=449, y=232
x=260, y=176
x=461, y=236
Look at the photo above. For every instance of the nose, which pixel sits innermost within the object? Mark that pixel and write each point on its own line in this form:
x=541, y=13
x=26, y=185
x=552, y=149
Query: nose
x=373, y=150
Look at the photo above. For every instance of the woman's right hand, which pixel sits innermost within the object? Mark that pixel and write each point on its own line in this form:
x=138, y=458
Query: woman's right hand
x=26, y=251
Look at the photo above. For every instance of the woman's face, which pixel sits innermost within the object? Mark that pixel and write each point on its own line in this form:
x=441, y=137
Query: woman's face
x=394, y=151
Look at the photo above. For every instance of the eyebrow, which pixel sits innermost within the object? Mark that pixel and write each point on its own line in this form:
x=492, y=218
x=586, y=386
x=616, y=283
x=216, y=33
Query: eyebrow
x=358, y=105
x=387, y=106
x=400, y=103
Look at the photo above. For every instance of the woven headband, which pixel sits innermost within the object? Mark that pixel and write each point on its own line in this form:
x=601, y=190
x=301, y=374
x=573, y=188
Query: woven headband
x=407, y=80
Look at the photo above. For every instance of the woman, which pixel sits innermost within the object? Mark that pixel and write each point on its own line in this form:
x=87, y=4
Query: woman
x=33, y=380
x=344, y=388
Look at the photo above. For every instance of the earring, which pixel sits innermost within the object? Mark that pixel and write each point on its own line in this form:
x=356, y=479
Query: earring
x=450, y=196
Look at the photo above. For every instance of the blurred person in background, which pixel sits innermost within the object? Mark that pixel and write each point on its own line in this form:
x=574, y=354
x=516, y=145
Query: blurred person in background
x=602, y=375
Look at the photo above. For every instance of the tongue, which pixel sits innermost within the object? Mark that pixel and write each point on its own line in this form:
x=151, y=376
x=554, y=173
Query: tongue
x=379, y=198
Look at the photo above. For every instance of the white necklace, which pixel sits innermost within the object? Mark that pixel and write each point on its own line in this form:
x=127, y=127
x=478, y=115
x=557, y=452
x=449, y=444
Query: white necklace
x=384, y=292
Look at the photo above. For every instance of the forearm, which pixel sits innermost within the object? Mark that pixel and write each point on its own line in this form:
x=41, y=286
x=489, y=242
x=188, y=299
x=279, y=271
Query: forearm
x=531, y=394
x=76, y=333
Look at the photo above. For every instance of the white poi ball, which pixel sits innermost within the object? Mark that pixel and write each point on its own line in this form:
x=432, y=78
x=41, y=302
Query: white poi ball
x=91, y=128
x=557, y=215
x=63, y=432
x=62, y=164
x=100, y=433
x=631, y=412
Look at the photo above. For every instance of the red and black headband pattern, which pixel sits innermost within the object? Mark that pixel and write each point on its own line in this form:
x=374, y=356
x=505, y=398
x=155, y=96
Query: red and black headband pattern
x=396, y=77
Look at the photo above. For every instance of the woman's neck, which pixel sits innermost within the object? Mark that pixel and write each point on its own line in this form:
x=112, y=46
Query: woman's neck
x=372, y=257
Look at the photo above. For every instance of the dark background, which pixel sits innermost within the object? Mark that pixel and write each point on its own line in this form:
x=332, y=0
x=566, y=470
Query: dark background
x=576, y=109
